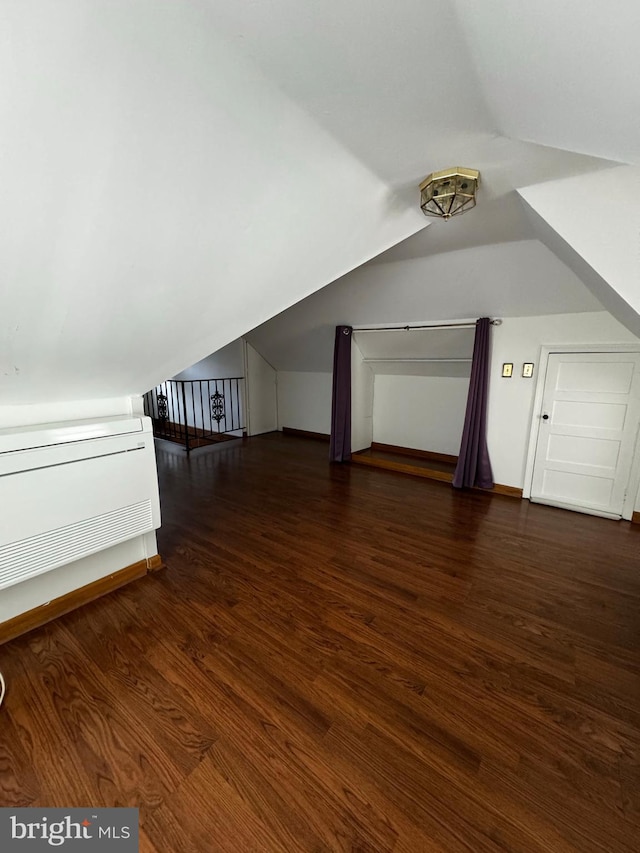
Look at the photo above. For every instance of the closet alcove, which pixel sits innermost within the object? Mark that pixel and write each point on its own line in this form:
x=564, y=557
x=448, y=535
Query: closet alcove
x=410, y=390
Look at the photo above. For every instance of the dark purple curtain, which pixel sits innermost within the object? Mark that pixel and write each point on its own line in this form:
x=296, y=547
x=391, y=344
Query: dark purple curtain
x=474, y=467
x=340, y=447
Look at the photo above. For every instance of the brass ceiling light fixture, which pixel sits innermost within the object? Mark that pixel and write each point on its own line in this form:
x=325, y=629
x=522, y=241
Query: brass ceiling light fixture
x=449, y=192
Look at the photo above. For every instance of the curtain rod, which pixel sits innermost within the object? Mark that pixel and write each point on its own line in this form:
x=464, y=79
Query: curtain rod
x=470, y=325
x=416, y=360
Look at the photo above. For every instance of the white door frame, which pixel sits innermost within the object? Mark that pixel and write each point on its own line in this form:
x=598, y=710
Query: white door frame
x=543, y=361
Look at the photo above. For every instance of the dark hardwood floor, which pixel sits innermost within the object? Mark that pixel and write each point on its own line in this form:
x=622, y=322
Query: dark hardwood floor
x=340, y=658
x=432, y=469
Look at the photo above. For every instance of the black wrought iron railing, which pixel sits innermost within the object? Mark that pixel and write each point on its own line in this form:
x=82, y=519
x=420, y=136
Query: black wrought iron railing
x=197, y=412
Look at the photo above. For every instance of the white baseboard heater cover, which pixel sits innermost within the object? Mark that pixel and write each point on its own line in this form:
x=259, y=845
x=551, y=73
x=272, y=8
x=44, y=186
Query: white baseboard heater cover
x=70, y=490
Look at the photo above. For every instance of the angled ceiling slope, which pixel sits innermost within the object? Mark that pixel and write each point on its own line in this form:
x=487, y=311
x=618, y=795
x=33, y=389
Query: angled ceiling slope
x=564, y=75
x=520, y=278
x=594, y=225
x=174, y=174
x=159, y=197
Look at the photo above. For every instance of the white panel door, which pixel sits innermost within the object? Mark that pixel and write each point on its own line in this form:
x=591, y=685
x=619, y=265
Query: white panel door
x=587, y=432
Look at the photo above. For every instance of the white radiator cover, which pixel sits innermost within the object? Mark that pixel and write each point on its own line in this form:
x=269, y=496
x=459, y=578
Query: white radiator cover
x=70, y=490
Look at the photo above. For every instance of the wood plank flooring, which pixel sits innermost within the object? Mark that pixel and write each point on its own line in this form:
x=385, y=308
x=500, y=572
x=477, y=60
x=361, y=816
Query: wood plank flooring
x=342, y=659
x=417, y=466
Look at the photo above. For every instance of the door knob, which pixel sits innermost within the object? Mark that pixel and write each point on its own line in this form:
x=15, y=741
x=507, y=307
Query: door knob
x=545, y=417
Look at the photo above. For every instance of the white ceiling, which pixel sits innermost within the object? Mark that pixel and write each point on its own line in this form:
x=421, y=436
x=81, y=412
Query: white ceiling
x=563, y=74
x=412, y=85
x=394, y=82
x=174, y=174
x=512, y=279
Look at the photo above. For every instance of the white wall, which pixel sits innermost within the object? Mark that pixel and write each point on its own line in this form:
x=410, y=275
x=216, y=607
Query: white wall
x=304, y=401
x=516, y=279
x=262, y=404
x=518, y=340
x=362, y=380
x=421, y=412
x=226, y=363
x=155, y=196
x=47, y=413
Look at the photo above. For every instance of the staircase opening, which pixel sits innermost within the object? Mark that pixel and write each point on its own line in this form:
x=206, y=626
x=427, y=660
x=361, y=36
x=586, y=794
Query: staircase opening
x=197, y=412
x=204, y=404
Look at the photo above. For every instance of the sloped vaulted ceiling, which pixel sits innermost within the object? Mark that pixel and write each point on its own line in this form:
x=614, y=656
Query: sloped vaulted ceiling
x=172, y=175
x=558, y=83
